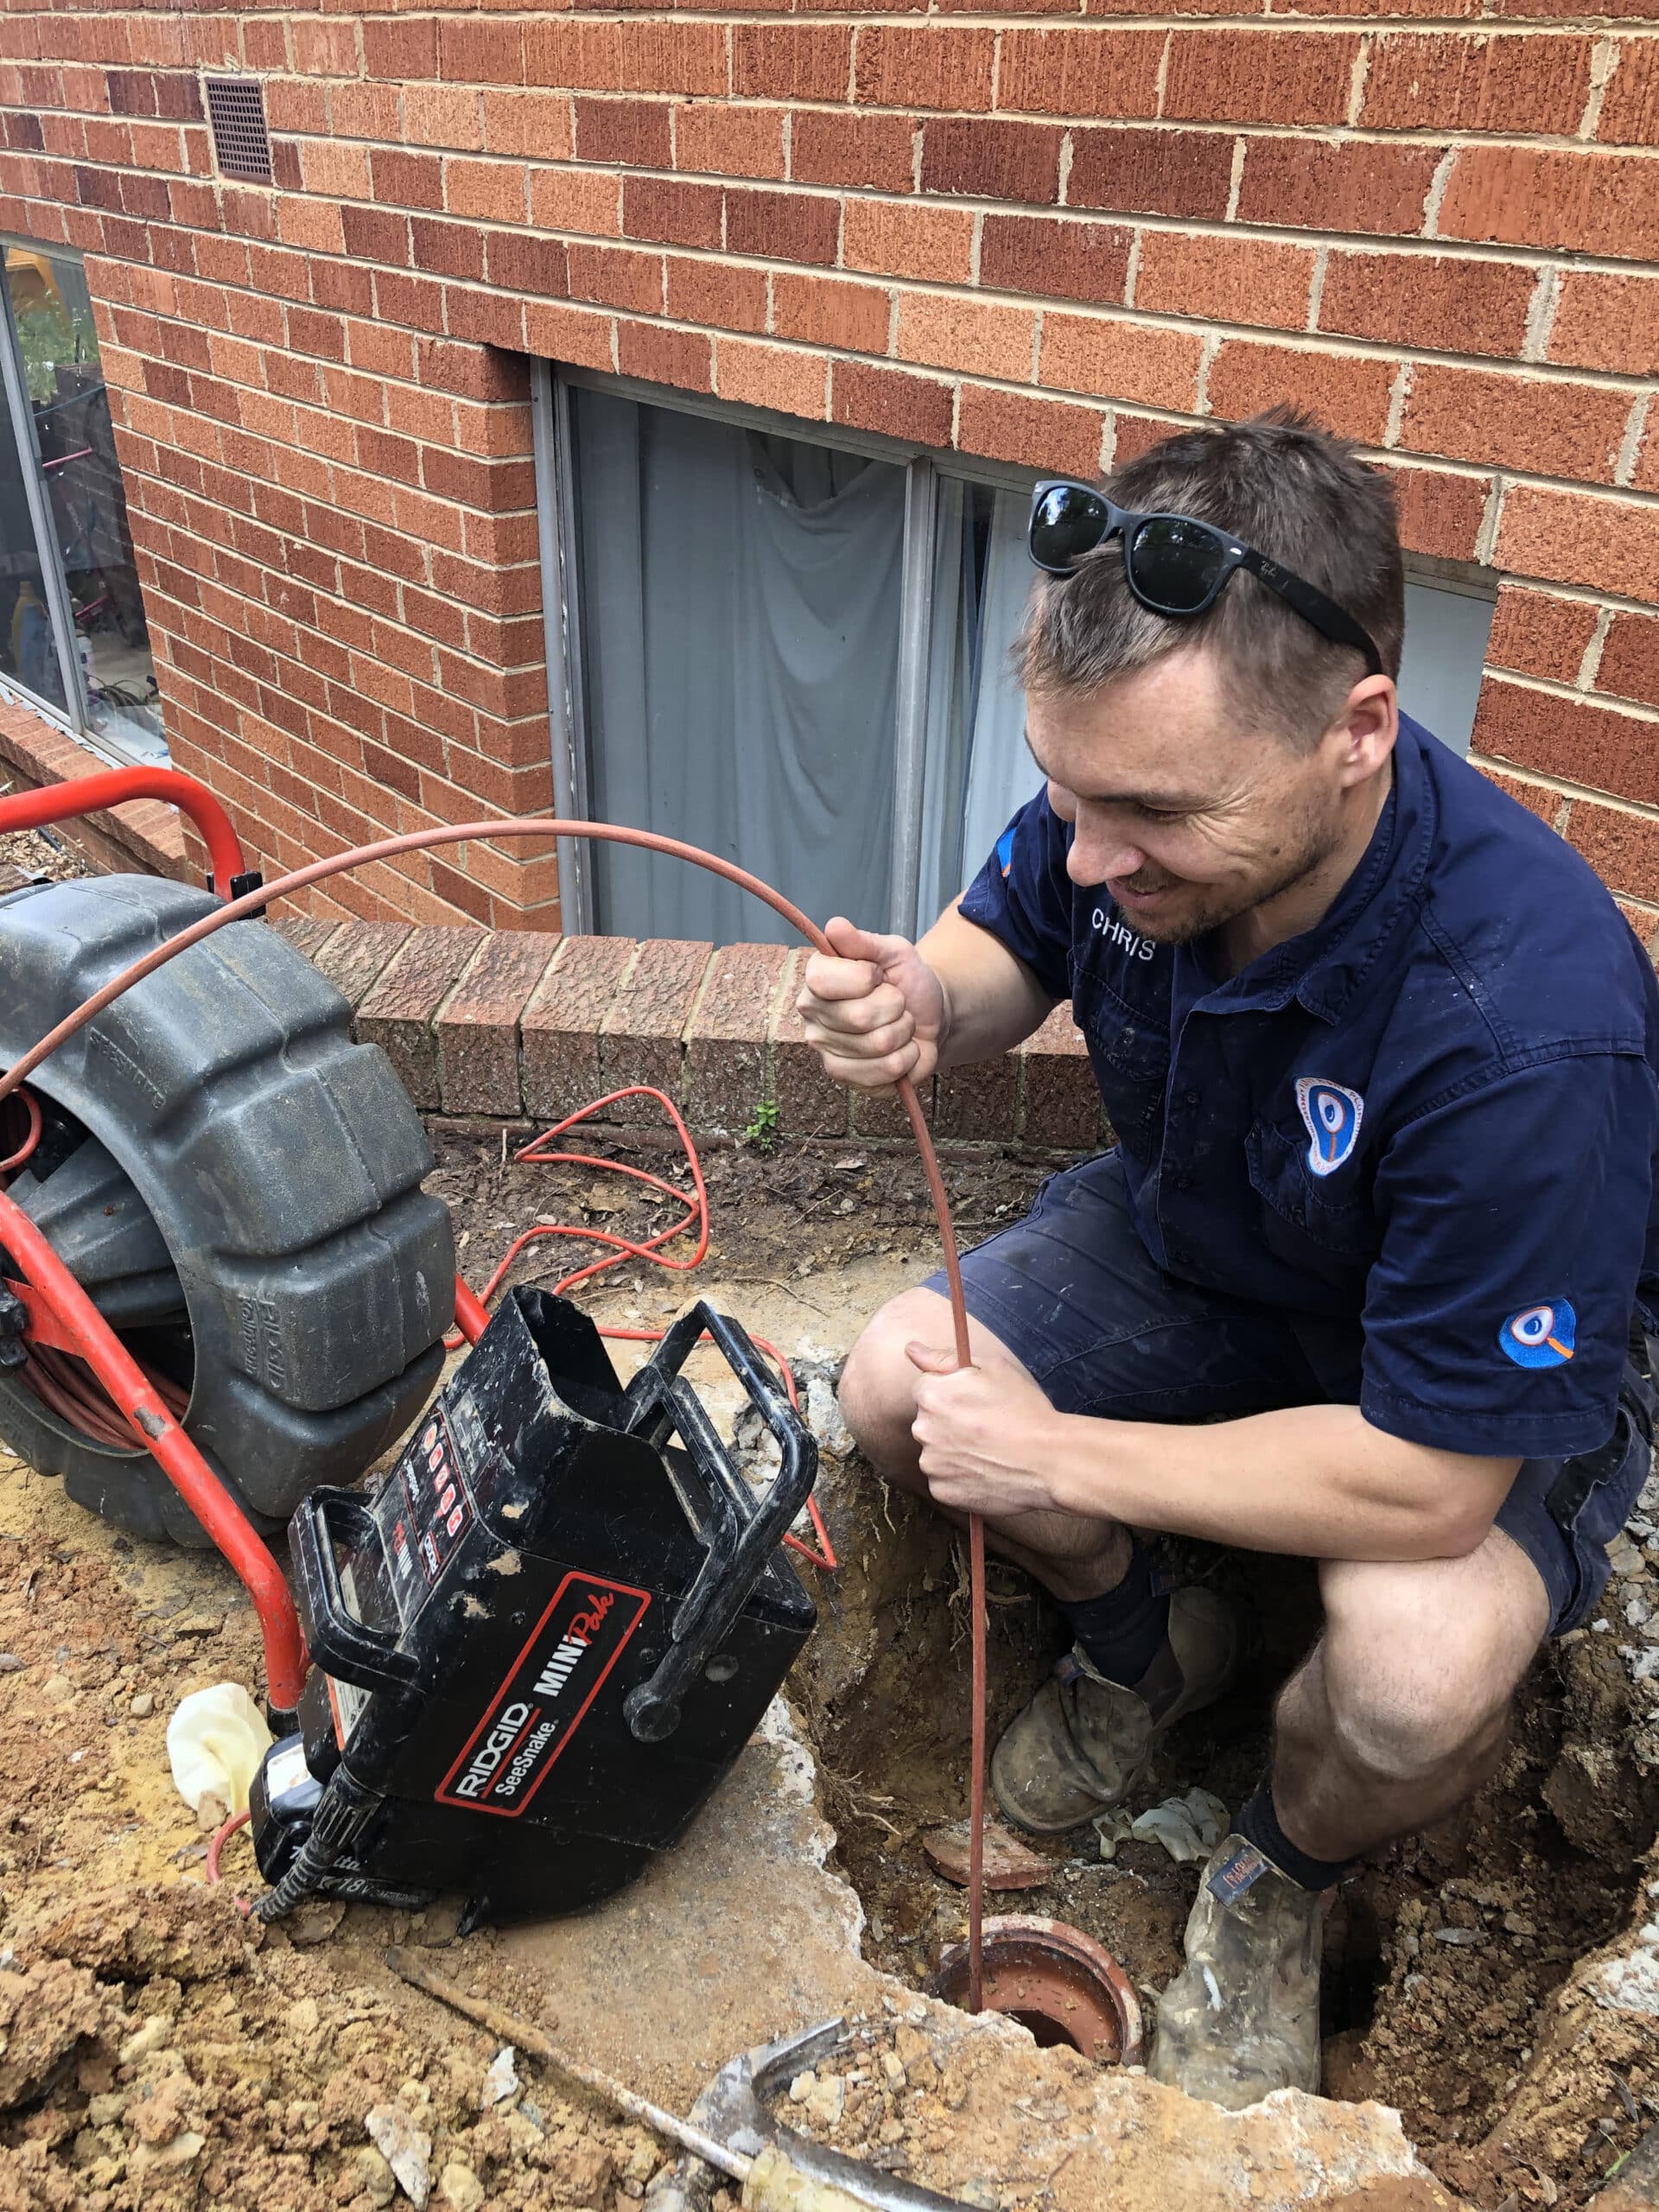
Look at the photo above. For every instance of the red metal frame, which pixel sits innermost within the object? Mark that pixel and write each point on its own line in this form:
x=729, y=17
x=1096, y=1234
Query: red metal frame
x=60, y=1313
x=76, y=1325
x=472, y=1315
x=88, y=794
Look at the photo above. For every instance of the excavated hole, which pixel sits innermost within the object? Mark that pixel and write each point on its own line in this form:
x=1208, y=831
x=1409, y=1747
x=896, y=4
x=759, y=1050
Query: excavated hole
x=1541, y=1869
x=1512, y=2099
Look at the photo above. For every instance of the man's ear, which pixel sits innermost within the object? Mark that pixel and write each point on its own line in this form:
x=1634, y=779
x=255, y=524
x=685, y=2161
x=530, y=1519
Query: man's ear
x=1366, y=729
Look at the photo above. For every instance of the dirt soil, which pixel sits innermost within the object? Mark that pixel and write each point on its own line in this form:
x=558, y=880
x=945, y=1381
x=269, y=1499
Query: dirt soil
x=27, y=855
x=159, y=2050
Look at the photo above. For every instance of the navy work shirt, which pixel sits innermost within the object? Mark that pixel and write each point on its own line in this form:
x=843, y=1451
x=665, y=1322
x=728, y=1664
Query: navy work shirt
x=1435, y=1112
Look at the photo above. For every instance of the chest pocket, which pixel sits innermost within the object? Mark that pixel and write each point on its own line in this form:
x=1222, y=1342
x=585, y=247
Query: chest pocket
x=1332, y=1236
x=1129, y=1048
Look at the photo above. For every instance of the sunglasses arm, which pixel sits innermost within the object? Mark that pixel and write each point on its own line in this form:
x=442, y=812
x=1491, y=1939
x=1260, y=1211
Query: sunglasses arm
x=1314, y=607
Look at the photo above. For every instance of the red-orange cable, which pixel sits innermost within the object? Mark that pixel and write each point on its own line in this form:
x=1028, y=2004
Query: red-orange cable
x=222, y=1835
x=550, y=827
x=652, y=1248
x=64, y=1384
x=31, y=1139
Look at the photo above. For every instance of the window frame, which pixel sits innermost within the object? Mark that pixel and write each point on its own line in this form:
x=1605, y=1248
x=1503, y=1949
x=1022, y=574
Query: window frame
x=550, y=384
x=76, y=721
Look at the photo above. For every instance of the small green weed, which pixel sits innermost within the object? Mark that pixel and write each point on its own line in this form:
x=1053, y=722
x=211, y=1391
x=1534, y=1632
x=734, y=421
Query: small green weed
x=762, y=1132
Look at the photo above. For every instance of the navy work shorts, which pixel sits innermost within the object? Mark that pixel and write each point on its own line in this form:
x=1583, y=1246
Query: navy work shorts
x=1075, y=1297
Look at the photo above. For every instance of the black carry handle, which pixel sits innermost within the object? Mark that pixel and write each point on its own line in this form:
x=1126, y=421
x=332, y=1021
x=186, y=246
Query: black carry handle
x=657, y=1401
x=339, y=1642
x=658, y=1405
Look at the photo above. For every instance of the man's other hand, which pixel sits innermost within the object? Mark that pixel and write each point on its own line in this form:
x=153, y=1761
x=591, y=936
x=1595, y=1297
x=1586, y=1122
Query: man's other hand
x=874, y=1011
x=982, y=1432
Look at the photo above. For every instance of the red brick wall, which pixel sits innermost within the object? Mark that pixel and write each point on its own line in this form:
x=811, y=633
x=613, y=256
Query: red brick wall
x=1039, y=236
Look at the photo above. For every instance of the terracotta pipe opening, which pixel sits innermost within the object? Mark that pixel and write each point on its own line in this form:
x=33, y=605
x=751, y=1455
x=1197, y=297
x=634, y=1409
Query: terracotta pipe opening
x=1055, y=1981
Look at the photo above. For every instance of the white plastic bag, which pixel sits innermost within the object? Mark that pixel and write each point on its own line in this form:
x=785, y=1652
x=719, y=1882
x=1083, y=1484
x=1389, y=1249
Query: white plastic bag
x=215, y=1741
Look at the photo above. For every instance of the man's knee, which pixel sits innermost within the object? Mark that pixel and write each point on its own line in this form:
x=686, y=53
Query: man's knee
x=1416, y=1686
x=1414, y=1723
x=878, y=1385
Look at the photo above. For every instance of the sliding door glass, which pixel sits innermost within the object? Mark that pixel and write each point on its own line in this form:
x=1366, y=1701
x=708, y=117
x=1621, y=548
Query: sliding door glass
x=739, y=596
x=739, y=601
x=66, y=437
x=28, y=648
x=1444, y=659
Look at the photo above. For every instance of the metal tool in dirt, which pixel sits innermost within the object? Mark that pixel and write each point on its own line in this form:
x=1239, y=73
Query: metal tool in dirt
x=731, y=2135
x=63, y=1318
x=736, y=2109
x=548, y=1637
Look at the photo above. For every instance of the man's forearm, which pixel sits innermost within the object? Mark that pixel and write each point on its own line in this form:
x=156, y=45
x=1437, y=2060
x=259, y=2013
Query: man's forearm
x=993, y=1002
x=1315, y=1481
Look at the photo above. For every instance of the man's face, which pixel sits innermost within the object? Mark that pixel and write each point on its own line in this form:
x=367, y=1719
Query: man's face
x=1186, y=815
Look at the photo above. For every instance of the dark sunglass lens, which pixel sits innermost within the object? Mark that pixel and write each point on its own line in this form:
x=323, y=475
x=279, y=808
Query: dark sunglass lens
x=1066, y=523
x=1175, y=563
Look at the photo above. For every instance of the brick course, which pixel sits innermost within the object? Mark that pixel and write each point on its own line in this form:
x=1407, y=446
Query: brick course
x=1044, y=234
x=538, y=1026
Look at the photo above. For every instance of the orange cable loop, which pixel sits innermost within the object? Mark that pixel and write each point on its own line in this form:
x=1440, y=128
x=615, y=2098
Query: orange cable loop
x=651, y=1248
x=222, y=1835
x=64, y=1384
x=25, y=1151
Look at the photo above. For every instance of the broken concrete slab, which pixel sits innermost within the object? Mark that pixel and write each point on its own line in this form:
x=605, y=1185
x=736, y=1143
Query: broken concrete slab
x=738, y=1935
x=744, y=1934
x=972, y=2109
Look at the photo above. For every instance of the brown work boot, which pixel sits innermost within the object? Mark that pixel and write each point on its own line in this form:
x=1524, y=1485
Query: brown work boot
x=1083, y=1743
x=1242, y=2018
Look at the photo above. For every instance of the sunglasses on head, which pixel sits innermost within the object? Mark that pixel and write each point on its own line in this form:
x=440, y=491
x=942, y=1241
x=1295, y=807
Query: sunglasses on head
x=1175, y=564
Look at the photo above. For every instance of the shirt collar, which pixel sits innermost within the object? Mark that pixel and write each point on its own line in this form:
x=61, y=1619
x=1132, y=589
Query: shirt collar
x=1324, y=965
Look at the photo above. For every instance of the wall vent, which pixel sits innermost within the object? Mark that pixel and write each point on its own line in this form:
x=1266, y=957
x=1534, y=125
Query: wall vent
x=236, y=108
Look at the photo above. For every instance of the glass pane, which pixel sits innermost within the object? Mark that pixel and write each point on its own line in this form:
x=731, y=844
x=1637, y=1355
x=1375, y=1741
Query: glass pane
x=26, y=651
x=1442, y=660
x=739, y=599
x=53, y=313
x=978, y=769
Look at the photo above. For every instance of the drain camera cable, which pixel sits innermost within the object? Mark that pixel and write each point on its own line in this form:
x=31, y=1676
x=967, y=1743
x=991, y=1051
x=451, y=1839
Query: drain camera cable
x=254, y=902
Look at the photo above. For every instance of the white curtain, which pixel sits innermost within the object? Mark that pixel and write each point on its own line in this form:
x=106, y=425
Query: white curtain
x=1001, y=774
x=953, y=643
x=1443, y=660
x=740, y=602
x=978, y=769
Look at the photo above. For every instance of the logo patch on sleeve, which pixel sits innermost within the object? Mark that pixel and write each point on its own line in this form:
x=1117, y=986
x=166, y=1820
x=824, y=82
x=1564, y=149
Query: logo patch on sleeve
x=1540, y=1335
x=1333, y=1114
x=1005, y=849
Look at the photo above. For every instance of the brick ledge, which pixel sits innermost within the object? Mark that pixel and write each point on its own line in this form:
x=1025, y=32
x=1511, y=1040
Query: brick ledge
x=146, y=835
x=515, y=1025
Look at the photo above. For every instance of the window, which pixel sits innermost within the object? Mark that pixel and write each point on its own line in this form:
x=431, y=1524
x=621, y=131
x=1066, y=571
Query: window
x=72, y=621
x=1448, y=621
x=794, y=651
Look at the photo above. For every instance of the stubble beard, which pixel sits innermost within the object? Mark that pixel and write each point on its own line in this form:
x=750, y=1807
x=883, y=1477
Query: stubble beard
x=1315, y=846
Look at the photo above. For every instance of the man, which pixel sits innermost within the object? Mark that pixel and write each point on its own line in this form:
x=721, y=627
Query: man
x=1380, y=1054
